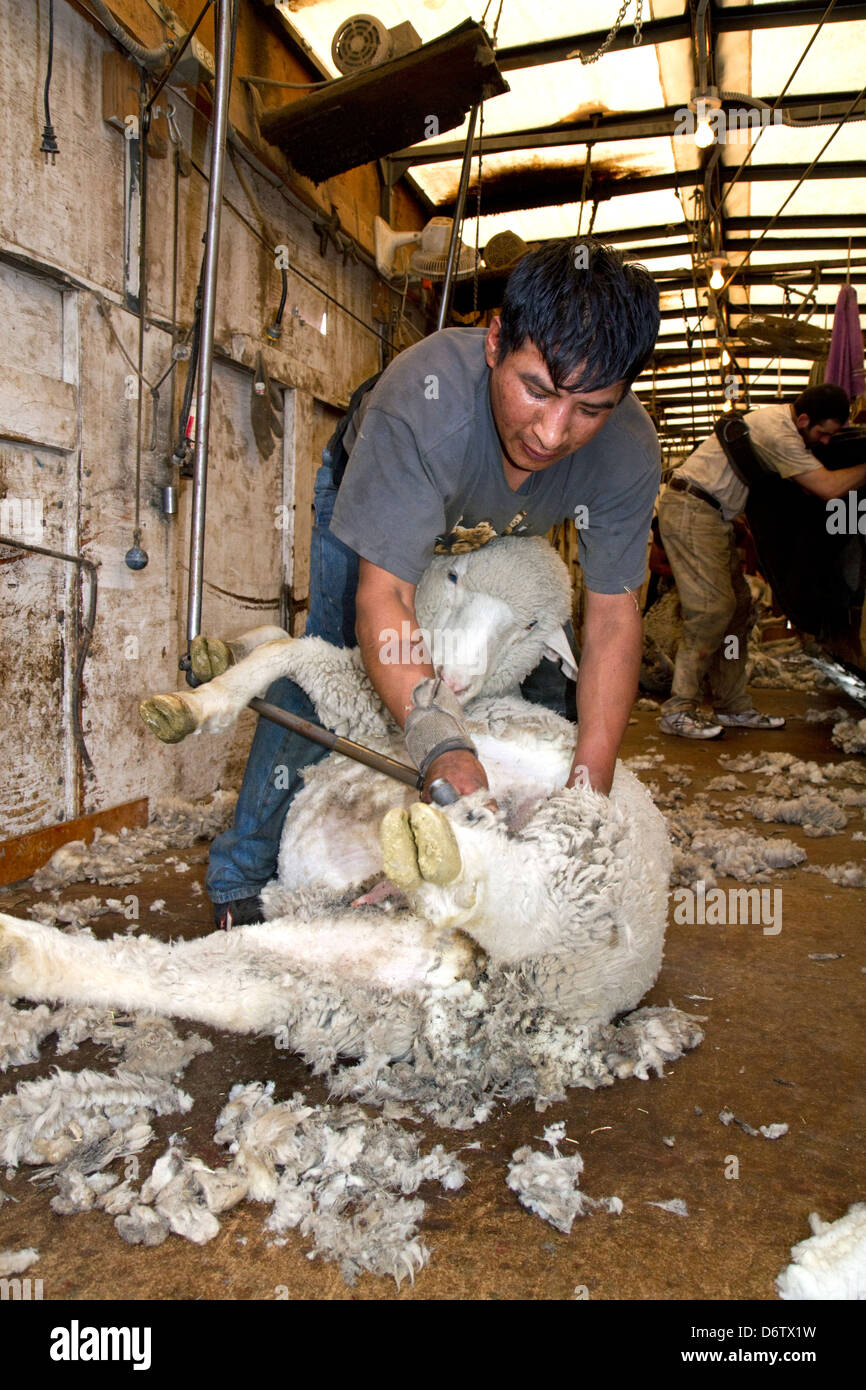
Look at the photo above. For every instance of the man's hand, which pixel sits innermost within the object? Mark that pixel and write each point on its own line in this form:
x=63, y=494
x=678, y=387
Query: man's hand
x=607, y=685
x=384, y=603
x=461, y=769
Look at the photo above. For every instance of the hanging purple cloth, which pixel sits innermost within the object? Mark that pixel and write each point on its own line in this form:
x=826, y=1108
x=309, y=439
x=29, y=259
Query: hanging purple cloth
x=845, y=360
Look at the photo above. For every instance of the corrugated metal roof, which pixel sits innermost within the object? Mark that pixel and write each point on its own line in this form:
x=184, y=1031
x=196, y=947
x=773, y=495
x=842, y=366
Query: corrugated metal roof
x=749, y=50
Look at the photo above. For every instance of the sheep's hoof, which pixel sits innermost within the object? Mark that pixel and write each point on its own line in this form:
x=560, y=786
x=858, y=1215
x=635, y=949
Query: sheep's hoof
x=208, y=657
x=399, y=852
x=168, y=717
x=419, y=846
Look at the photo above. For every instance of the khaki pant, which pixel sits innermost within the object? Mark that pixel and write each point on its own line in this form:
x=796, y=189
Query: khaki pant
x=716, y=603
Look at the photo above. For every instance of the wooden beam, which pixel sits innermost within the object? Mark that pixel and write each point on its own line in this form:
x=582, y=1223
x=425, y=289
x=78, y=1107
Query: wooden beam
x=21, y=857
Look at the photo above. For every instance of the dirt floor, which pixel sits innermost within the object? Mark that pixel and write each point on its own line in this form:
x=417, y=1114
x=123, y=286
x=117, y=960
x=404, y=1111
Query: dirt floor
x=785, y=1040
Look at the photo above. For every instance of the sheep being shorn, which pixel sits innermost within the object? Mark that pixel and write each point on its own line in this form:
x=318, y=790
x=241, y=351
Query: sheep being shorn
x=521, y=933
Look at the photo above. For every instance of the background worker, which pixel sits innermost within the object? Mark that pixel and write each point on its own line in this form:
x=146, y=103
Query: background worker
x=696, y=513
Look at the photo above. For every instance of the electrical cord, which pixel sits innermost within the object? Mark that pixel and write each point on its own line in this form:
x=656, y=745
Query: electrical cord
x=150, y=58
x=300, y=274
x=49, y=144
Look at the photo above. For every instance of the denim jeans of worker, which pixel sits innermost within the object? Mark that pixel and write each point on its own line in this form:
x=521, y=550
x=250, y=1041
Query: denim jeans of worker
x=716, y=604
x=244, y=858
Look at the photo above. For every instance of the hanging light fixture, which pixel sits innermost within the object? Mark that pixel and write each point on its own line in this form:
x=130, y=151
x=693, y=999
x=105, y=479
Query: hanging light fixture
x=717, y=265
x=701, y=104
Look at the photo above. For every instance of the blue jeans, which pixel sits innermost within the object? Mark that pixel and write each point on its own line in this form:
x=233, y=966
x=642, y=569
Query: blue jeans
x=244, y=858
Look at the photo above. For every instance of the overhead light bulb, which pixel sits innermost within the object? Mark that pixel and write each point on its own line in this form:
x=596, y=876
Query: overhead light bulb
x=727, y=406
x=704, y=136
x=726, y=357
x=717, y=278
x=701, y=104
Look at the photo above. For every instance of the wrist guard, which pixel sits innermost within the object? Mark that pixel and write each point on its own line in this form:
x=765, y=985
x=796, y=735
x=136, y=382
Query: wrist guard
x=435, y=724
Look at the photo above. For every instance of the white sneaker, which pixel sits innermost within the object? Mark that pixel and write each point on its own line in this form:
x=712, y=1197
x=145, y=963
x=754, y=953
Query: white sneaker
x=686, y=724
x=751, y=719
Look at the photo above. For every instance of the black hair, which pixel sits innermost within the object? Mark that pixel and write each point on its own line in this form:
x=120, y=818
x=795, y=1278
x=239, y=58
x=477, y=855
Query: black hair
x=823, y=403
x=583, y=306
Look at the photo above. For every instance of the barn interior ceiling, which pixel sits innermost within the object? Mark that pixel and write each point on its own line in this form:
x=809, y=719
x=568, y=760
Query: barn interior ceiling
x=707, y=140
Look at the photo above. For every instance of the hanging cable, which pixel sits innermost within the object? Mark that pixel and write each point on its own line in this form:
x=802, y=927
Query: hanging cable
x=751, y=150
x=584, y=188
x=801, y=180
x=254, y=231
x=294, y=86
x=49, y=144
x=478, y=207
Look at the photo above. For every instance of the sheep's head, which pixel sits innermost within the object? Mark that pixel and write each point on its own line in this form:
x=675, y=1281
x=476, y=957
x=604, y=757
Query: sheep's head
x=488, y=614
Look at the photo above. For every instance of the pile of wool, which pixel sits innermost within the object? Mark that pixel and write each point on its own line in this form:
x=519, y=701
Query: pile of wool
x=818, y=815
x=347, y=1181
x=549, y=1184
x=181, y=1195
x=73, y=914
x=847, y=875
x=338, y=1176
x=825, y=716
x=141, y=1042
x=73, y=1124
x=478, y=1047
x=16, y=1261
x=795, y=771
x=703, y=849
x=850, y=735
x=783, y=665
x=117, y=859
x=831, y=1263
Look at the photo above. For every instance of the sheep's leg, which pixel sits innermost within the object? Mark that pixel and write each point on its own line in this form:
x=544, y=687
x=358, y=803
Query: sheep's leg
x=41, y=963
x=216, y=705
x=220, y=979
x=249, y=980
x=331, y=676
x=211, y=656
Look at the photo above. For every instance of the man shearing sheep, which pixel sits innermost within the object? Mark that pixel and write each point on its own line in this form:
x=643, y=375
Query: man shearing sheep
x=509, y=430
x=696, y=515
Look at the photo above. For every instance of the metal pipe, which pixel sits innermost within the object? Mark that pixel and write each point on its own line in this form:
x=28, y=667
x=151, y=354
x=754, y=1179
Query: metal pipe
x=458, y=219
x=222, y=88
x=402, y=772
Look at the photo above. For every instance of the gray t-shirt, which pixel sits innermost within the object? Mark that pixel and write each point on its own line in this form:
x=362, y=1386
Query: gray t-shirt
x=425, y=466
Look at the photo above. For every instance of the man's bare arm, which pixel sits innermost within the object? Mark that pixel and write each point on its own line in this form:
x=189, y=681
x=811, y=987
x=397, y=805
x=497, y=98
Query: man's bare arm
x=383, y=604
x=828, y=483
x=607, y=684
